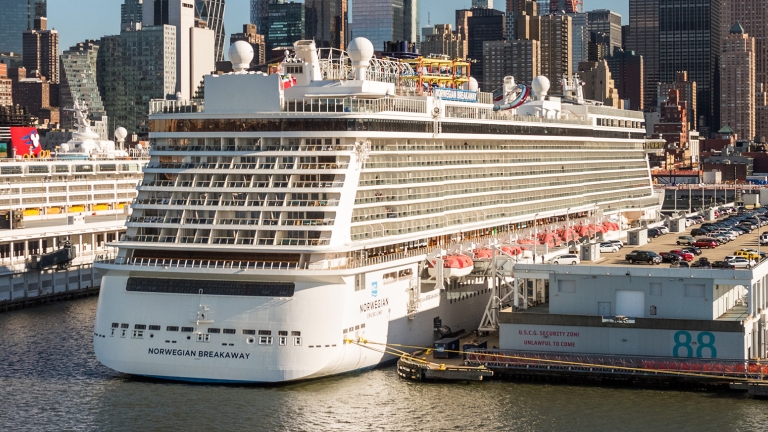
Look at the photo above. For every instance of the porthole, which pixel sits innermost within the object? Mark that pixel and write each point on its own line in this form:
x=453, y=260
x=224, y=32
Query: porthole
x=189, y=337
x=151, y=335
x=250, y=340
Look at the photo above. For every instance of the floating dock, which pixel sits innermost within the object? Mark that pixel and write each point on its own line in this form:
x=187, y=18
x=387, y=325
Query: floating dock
x=434, y=365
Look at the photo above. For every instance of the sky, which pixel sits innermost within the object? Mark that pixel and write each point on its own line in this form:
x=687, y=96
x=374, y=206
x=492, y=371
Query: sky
x=78, y=20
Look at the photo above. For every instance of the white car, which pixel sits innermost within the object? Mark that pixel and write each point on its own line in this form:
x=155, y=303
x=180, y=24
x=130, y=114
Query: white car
x=618, y=243
x=608, y=247
x=740, y=262
x=726, y=233
x=569, y=259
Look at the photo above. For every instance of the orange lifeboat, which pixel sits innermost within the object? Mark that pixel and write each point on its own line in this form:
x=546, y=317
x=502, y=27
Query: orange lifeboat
x=483, y=253
x=454, y=266
x=512, y=250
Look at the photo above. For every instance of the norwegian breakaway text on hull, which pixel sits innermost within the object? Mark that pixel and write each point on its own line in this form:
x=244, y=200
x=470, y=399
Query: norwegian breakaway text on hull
x=341, y=198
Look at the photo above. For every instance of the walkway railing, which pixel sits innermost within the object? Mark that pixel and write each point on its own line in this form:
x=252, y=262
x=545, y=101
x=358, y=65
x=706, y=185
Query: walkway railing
x=334, y=264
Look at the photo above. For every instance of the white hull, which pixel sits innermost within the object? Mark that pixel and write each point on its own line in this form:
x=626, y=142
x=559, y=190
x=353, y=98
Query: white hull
x=319, y=311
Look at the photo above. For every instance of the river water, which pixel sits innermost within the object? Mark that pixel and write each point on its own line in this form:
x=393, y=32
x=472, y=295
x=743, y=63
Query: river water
x=51, y=380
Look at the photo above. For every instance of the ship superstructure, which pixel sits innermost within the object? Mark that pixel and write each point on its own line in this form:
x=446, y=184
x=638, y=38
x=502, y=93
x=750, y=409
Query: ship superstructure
x=285, y=214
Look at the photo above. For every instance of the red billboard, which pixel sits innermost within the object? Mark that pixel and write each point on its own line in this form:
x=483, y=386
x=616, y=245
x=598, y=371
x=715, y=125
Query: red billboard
x=25, y=141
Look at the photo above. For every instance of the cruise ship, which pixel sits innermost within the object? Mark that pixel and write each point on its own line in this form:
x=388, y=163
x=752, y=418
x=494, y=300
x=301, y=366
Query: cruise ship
x=78, y=192
x=287, y=217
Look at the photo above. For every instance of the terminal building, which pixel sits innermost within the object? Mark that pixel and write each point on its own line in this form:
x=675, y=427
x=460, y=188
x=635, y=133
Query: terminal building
x=638, y=311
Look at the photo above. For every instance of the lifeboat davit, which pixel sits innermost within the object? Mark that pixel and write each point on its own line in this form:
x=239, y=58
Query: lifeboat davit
x=482, y=259
x=454, y=266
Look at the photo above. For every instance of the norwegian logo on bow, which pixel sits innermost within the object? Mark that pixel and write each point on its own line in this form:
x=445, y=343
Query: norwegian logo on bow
x=25, y=141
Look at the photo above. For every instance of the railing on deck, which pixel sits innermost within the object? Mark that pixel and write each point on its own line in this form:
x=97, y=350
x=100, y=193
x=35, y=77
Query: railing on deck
x=334, y=264
x=353, y=105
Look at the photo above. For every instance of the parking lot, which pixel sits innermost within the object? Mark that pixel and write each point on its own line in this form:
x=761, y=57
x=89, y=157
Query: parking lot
x=667, y=242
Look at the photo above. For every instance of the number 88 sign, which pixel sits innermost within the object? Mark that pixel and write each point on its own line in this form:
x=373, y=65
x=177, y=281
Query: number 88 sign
x=700, y=346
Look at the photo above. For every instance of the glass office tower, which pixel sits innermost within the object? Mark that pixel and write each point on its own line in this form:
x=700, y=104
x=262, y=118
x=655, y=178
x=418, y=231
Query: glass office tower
x=17, y=16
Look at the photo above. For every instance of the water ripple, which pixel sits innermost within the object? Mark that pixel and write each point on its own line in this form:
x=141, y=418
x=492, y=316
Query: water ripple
x=51, y=380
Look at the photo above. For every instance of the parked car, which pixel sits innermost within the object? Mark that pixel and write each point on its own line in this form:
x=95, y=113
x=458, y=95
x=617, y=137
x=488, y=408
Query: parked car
x=685, y=240
x=663, y=230
x=643, y=256
x=608, y=247
x=722, y=265
x=685, y=255
x=706, y=243
x=669, y=257
x=740, y=261
x=618, y=243
x=679, y=264
x=692, y=249
x=726, y=233
x=654, y=232
x=698, y=232
x=702, y=263
x=570, y=259
x=747, y=254
x=763, y=239
x=747, y=225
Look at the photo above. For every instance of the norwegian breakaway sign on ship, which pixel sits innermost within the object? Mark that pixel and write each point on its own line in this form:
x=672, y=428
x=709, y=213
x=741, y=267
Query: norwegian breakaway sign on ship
x=454, y=94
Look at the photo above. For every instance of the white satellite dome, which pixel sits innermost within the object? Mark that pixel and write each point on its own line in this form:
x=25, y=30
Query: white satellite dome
x=540, y=86
x=473, y=85
x=360, y=50
x=240, y=54
x=121, y=133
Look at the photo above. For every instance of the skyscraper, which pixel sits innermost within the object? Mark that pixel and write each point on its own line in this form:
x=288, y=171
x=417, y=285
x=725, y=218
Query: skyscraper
x=133, y=68
x=488, y=4
x=556, y=53
x=385, y=20
x=643, y=39
x=259, y=15
x=18, y=15
x=212, y=12
x=41, y=51
x=518, y=58
x=326, y=22
x=195, y=46
x=599, y=84
x=753, y=16
x=411, y=21
x=579, y=39
x=484, y=25
x=690, y=38
x=606, y=22
x=78, y=80
x=131, y=12
x=6, y=88
x=445, y=41
x=737, y=82
x=627, y=72
x=555, y=6
x=284, y=25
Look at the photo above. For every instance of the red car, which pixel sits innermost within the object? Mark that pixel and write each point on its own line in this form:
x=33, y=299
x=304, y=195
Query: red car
x=706, y=243
x=687, y=256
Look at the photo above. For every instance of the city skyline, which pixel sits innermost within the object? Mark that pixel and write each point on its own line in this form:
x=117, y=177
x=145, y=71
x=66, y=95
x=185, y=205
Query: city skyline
x=74, y=27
